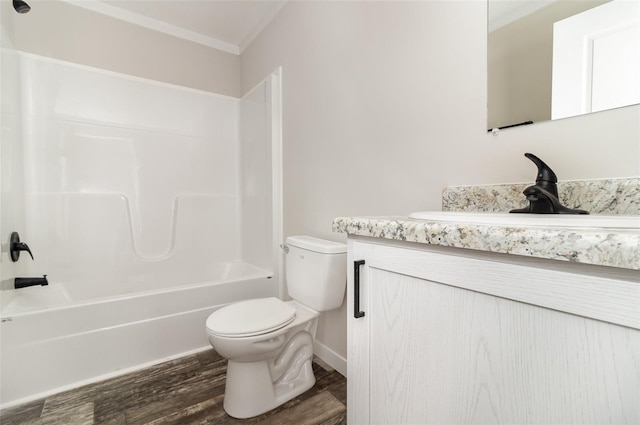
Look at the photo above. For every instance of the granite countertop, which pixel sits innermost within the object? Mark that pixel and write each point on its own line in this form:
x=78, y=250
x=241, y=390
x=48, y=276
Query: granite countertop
x=604, y=247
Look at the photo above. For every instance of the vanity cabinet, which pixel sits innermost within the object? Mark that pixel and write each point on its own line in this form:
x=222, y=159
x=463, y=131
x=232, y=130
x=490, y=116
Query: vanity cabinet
x=459, y=336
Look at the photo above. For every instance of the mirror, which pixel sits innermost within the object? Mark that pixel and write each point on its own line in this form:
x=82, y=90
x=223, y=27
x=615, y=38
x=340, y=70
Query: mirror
x=528, y=82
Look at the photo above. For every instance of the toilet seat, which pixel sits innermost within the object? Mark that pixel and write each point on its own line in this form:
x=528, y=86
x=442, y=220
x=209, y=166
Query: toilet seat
x=251, y=318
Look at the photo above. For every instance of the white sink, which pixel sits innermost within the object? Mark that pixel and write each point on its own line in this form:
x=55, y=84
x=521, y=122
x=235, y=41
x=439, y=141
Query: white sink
x=548, y=220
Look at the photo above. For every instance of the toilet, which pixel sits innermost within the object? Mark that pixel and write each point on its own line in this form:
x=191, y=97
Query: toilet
x=268, y=342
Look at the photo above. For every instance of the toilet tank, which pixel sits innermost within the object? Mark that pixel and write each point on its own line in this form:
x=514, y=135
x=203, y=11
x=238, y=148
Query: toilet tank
x=316, y=272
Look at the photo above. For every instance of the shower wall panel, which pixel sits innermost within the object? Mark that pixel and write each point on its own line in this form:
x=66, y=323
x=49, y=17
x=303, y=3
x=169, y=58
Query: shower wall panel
x=261, y=175
x=123, y=175
x=256, y=176
x=11, y=169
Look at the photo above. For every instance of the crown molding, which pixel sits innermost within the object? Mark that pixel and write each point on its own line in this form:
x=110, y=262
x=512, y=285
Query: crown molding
x=156, y=25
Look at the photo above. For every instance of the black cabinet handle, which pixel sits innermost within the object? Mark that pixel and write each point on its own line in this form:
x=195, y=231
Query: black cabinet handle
x=356, y=289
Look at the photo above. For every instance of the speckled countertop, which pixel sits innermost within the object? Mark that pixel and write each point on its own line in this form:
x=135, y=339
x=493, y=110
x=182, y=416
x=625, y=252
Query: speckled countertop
x=605, y=247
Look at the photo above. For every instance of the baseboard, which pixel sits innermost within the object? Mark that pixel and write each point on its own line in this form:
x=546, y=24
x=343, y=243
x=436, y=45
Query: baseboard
x=331, y=358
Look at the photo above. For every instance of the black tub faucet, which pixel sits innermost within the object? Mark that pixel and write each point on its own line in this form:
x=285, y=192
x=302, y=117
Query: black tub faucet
x=543, y=196
x=24, y=282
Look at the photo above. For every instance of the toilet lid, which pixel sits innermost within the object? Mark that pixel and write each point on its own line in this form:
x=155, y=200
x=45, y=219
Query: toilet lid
x=252, y=317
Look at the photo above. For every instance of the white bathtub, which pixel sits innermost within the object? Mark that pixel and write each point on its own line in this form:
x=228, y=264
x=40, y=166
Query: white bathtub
x=61, y=336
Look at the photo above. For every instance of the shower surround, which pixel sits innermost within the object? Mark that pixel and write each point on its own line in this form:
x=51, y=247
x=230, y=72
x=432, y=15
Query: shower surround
x=147, y=205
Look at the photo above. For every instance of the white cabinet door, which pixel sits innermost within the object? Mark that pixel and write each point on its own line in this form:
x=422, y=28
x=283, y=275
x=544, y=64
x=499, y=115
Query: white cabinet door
x=429, y=350
x=357, y=337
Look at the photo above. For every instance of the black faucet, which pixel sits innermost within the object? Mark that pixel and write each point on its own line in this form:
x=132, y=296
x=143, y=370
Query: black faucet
x=24, y=282
x=543, y=196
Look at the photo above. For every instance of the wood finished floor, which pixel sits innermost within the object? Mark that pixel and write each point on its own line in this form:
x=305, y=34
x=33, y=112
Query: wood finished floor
x=185, y=391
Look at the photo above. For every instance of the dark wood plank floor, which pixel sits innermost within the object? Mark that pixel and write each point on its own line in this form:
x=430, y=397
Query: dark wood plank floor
x=184, y=391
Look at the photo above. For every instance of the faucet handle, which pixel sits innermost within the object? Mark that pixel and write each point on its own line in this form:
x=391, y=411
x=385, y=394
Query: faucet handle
x=15, y=246
x=545, y=178
x=545, y=173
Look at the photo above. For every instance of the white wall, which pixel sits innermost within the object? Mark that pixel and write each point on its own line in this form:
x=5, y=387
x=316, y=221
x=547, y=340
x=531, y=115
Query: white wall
x=385, y=105
x=64, y=31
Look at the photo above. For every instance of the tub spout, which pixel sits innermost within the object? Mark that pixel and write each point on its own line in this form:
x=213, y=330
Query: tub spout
x=24, y=282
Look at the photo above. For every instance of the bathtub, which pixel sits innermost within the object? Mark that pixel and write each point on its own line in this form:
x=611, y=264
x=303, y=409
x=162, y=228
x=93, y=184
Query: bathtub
x=64, y=335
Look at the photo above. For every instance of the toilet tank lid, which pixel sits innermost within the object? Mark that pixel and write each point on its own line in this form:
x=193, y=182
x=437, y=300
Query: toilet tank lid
x=317, y=245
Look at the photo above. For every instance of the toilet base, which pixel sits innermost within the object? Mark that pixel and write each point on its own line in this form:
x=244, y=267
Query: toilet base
x=254, y=388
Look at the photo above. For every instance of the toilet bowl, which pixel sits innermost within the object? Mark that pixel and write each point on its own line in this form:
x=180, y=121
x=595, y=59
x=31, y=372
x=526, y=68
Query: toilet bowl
x=269, y=342
x=266, y=369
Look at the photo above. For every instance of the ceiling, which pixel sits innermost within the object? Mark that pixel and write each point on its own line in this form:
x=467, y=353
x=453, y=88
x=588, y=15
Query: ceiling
x=229, y=25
